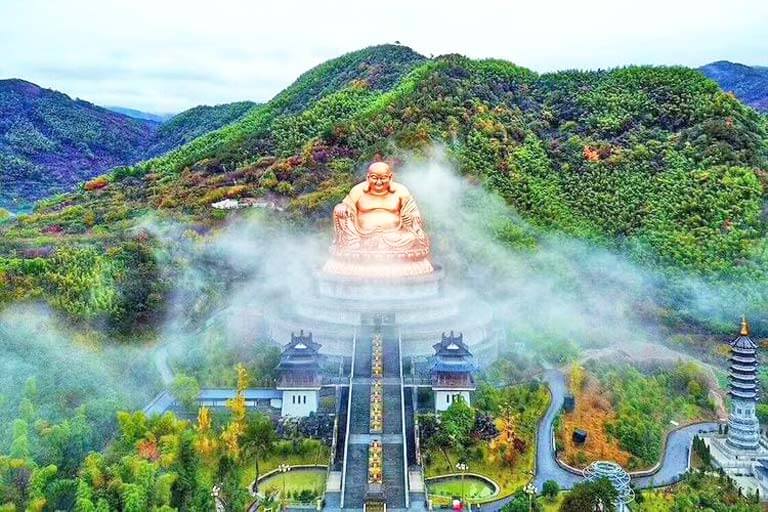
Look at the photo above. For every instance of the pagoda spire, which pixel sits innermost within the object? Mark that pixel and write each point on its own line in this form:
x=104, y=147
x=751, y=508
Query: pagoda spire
x=744, y=326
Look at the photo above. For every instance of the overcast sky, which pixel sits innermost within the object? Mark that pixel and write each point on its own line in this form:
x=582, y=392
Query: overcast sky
x=166, y=56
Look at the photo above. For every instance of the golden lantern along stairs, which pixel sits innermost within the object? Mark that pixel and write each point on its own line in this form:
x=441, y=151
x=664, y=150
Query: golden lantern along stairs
x=374, y=468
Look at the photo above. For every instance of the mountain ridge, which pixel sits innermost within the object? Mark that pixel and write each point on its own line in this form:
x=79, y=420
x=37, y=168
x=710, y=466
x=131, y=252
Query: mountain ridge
x=139, y=114
x=748, y=83
x=194, y=122
x=186, y=126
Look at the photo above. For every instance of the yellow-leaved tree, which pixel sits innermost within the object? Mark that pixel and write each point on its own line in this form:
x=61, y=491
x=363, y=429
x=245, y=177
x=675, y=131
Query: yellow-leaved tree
x=234, y=430
x=206, y=442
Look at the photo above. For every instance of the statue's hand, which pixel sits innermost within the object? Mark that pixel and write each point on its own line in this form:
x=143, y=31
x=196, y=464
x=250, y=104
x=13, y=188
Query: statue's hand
x=341, y=210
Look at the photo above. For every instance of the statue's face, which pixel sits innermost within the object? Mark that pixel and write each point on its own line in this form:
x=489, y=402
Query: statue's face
x=379, y=177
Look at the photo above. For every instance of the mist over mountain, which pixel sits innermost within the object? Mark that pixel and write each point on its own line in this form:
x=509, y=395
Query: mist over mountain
x=612, y=211
x=138, y=114
x=748, y=83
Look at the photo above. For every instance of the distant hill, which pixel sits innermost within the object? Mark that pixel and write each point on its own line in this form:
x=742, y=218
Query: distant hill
x=748, y=83
x=48, y=141
x=190, y=124
x=338, y=87
x=138, y=114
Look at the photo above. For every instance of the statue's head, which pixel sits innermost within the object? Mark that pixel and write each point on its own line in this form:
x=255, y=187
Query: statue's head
x=379, y=178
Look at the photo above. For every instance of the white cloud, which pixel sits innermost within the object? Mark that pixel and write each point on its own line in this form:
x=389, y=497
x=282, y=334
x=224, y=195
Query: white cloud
x=171, y=55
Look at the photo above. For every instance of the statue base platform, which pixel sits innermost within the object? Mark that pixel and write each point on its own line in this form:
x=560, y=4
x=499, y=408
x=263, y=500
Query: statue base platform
x=749, y=468
x=421, y=306
x=339, y=267
x=384, y=264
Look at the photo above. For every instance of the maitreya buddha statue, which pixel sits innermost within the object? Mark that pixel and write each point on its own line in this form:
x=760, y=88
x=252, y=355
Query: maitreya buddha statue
x=378, y=230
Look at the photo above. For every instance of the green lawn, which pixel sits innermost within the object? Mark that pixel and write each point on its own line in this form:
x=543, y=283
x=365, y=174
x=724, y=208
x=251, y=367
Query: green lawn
x=470, y=488
x=552, y=505
x=294, y=482
x=508, y=478
x=319, y=455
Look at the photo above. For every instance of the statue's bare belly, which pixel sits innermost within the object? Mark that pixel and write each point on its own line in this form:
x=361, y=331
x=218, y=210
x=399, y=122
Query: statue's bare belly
x=378, y=219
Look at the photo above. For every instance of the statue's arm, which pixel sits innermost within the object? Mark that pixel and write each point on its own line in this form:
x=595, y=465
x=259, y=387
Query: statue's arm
x=410, y=211
x=348, y=206
x=354, y=195
x=345, y=219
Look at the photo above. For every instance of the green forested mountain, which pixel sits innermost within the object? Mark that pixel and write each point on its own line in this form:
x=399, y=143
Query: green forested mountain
x=655, y=161
x=49, y=141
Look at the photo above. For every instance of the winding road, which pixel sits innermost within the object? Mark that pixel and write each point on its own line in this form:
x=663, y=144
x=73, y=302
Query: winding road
x=547, y=467
x=673, y=465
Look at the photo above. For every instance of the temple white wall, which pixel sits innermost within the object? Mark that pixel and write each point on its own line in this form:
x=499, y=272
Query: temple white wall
x=349, y=290
x=444, y=398
x=299, y=402
x=406, y=311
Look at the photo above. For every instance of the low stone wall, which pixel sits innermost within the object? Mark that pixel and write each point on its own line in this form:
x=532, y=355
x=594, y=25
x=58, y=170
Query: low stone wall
x=490, y=499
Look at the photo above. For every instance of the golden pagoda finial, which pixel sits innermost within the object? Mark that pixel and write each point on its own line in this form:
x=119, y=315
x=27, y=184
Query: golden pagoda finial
x=744, y=326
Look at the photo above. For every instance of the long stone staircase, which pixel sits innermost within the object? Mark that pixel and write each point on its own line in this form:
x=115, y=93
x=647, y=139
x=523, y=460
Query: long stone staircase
x=394, y=461
x=359, y=436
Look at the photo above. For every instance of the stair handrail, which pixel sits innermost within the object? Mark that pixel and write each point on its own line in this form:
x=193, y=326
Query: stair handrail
x=333, y=445
x=349, y=415
x=402, y=418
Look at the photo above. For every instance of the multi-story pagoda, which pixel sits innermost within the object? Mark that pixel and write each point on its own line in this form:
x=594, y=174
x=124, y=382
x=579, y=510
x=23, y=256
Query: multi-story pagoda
x=742, y=452
x=743, y=427
x=299, y=376
x=452, y=371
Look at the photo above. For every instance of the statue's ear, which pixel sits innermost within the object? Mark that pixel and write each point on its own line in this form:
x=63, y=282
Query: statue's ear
x=366, y=187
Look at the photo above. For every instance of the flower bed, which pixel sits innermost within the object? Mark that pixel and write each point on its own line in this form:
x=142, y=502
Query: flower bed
x=375, y=462
x=377, y=402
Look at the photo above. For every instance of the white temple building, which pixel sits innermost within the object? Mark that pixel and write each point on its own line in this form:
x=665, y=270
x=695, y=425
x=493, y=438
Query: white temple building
x=451, y=373
x=299, y=379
